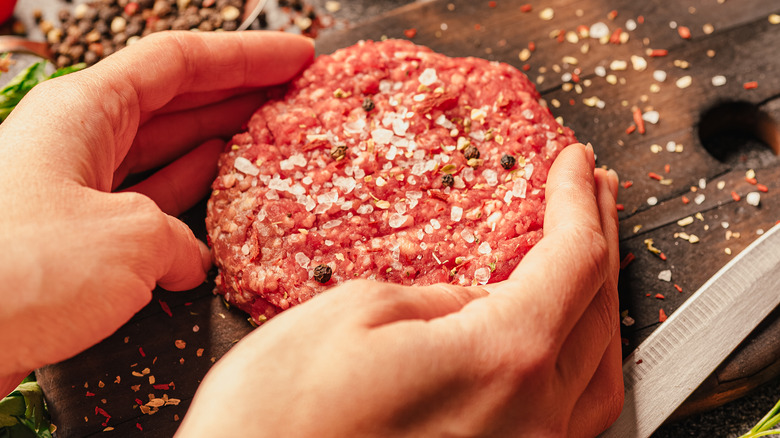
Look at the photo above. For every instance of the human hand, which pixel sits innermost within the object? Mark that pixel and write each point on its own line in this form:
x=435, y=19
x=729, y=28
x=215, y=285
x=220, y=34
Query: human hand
x=536, y=355
x=78, y=261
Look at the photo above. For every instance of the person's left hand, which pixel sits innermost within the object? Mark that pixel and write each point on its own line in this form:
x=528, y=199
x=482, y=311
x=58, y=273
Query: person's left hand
x=78, y=260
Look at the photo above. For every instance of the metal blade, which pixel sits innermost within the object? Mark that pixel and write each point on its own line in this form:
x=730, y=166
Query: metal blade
x=663, y=371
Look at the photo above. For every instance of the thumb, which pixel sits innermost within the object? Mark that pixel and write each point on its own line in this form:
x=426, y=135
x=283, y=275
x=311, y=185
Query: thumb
x=189, y=258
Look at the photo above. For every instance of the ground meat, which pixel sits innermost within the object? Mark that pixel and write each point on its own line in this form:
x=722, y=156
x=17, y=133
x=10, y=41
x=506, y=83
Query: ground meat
x=347, y=170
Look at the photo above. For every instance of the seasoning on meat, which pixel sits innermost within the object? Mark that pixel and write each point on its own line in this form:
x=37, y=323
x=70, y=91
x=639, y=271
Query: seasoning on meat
x=396, y=193
x=508, y=161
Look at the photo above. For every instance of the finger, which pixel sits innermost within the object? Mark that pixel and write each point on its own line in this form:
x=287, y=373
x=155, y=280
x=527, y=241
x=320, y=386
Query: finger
x=382, y=303
x=181, y=184
x=188, y=101
x=185, y=62
x=584, y=347
x=166, y=137
x=600, y=405
x=188, y=258
x=558, y=278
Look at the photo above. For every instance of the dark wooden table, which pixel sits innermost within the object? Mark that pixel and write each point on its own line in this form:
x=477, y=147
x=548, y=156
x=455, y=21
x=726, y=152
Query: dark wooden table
x=692, y=163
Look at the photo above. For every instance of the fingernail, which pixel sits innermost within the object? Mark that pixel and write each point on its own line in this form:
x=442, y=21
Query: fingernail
x=205, y=256
x=591, y=155
x=614, y=180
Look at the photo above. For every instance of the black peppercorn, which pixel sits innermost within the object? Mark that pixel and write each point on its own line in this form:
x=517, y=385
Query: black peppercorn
x=471, y=152
x=447, y=180
x=322, y=273
x=368, y=104
x=508, y=161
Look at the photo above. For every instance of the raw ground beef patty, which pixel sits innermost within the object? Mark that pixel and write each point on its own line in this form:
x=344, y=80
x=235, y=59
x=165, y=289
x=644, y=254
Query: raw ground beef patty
x=383, y=161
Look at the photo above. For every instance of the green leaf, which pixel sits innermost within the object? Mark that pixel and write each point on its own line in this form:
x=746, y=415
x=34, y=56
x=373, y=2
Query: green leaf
x=13, y=92
x=70, y=69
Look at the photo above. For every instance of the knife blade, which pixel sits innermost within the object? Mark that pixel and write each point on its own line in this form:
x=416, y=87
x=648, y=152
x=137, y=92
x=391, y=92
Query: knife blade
x=673, y=361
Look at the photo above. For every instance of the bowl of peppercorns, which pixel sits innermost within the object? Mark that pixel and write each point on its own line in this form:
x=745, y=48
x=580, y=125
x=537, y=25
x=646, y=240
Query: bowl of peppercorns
x=6, y=10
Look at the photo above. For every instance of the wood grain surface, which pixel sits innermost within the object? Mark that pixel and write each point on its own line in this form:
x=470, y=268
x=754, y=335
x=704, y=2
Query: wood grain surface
x=179, y=335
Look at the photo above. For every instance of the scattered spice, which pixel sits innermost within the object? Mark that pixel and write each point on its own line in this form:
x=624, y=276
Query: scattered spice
x=339, y=152
x=368, y=104
x=750, y=85
x=684, y=32
x=447, y=180
x=661, y=315
x=410, y=33
x=165, y=308
x=322, y=273
x=471, y=152
x=508, y=161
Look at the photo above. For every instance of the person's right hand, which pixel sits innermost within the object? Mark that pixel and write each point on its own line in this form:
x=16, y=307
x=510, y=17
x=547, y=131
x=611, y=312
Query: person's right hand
x=537, y=356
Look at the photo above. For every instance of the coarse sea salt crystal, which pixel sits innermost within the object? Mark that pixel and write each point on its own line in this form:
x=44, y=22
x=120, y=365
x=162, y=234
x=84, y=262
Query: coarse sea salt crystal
x=345, y=184
x=508, y=197
x=659, y=75
x=484, y=248
x=245, y=249
x=699, y=199
x=245, y=166
x=467, y=235
x=347, y=205
x=302, y=260
x=665, y=275
x=307, y=180
x=482, y=275
x=600, y=71
x=428, y=77
x=355, y=127
x=436, y=224
x=382, y=136
x=271, y=195
x=718, y=81
x=651, y=117
x=365, y=209
x=467, y=174
x=428, y=228
x=298, y=160
x=331, y=224
x=519, y=188
x=400, y=127
x=598, y=30
x=391, y=153
x=396, y=220
x=491, y=177
x=456, y=213
x=400, y=207
x=753, y=198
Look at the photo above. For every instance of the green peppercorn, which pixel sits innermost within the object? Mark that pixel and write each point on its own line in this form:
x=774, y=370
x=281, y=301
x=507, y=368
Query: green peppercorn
x=471, y=152
x=447, y=180
x=368, y=104
x=322, y=273
x=508, y=161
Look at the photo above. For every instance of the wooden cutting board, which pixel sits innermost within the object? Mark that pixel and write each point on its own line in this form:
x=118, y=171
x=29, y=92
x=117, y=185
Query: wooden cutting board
x=179, y=335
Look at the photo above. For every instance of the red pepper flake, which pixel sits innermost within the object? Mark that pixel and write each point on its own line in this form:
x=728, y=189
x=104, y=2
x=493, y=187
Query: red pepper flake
x=131, y=8
x=492, y=4
x=762, y=188
x=640, y=123
x=141, y=350
x=655, y=176
x=662, y=256
x=582, y=29
x=162, y=386
x=138, y=425
x=101, y=411
x=677, y=286
x=667, y=168
x=572, y=102
x=624, y=341
x=640, y=19
x=526, y=8
x=630, y=129
x=526, y=67
x=627, y=260
x=561, y=36
x=751, y=180
x=685, y=200
x=615, y=38
x=188, y=304
x=165, y=308
x=411, y=33
x=639, y=362
x=750, y=85
x=138, y=400
x=627, y=184
x=661, y=315
x=575, y=77
x=660, y=296
x=531, y=46
x=612, y=14
x=620, y=207
x=735, y=196
x=657, y=53
x=647, y=294
x=684, y=32
x=90, y=394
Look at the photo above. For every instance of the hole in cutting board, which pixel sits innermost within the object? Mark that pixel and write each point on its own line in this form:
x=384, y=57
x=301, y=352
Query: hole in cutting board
x=740, y=134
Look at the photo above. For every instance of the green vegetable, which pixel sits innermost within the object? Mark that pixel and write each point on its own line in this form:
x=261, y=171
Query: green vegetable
x=763, y=428
x=23, y=413
x=20, y=85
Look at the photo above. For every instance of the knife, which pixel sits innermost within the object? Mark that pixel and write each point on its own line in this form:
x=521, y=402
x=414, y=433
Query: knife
x=663, y=371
